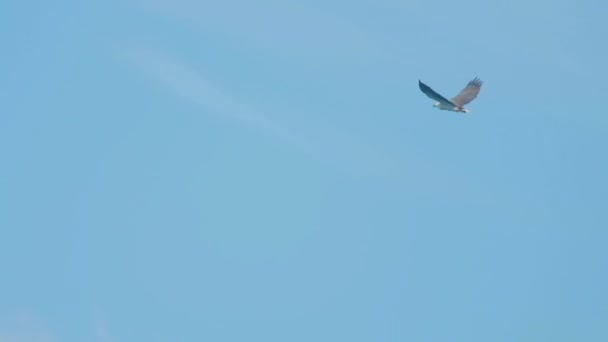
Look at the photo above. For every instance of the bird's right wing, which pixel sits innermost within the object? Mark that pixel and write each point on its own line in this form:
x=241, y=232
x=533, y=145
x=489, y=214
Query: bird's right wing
x=469, y=93
x=433, y=94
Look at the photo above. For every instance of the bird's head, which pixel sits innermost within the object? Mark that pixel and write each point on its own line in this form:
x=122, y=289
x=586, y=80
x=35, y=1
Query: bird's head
x=436, y=104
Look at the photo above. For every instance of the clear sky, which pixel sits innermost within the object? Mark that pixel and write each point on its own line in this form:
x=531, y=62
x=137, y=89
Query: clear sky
x=231, y=170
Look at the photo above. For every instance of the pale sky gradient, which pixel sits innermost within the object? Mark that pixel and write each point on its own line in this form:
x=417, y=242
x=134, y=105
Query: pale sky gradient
x=229, y=170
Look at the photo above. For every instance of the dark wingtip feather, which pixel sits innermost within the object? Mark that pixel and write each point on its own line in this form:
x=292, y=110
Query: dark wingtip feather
x=476, y=81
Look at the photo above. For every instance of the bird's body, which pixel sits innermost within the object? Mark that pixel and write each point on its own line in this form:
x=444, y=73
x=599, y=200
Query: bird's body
x=450, y=107
x=456, y=104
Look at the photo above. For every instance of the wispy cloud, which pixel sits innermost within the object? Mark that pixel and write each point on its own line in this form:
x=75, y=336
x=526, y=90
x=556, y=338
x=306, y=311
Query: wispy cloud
x=303, y=34
x=323, y=143
x=23, y=327
x=102, y=330
x=327, y=144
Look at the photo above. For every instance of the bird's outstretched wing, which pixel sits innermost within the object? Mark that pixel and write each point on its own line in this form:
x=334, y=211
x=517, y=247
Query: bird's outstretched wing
x=468, y=94
x=433, y=94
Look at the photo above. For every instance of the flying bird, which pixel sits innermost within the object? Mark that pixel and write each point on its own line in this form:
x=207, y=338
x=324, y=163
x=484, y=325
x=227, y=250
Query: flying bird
x=455, y=104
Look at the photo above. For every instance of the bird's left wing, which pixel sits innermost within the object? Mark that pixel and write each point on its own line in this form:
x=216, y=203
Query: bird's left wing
x=433, y=94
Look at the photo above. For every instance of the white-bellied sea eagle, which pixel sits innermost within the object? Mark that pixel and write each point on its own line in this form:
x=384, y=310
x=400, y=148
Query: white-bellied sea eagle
x=455, y=104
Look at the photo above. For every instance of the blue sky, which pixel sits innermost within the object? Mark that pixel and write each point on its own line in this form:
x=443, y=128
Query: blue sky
x=269, y=171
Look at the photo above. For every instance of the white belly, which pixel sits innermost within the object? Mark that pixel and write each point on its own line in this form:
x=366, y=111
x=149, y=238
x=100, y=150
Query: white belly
x=448, y=107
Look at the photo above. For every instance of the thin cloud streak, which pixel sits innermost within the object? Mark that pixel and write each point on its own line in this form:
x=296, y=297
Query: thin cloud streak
x=323, y=143
x=330, y=145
